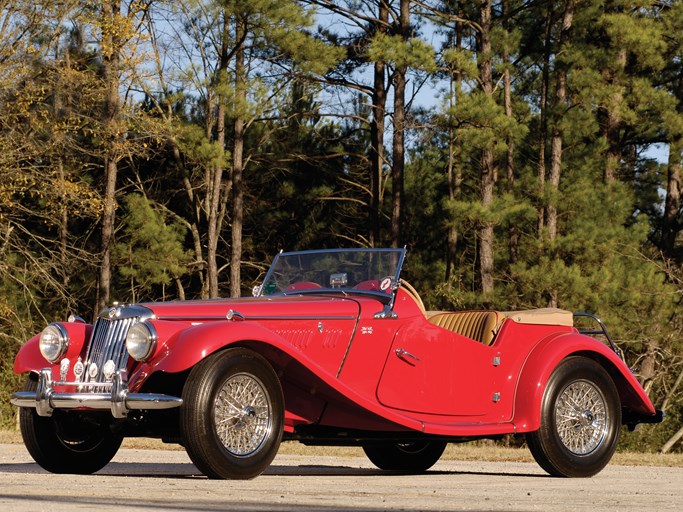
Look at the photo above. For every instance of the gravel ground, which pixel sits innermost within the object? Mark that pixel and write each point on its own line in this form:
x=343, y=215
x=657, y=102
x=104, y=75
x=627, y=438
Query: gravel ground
x=153, y=480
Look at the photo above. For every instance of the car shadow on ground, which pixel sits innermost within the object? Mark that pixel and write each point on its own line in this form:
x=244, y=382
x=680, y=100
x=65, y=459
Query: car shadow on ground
x=188, y=470
x=126, y=504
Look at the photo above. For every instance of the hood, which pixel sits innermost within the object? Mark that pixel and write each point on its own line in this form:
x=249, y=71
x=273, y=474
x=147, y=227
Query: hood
x=258, y=307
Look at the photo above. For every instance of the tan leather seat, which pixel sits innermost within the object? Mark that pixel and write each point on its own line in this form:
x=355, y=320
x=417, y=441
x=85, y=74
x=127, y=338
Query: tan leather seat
x=477, y=325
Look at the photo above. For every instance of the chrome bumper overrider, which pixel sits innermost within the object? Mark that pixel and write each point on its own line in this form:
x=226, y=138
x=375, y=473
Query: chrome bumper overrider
x=118, y=400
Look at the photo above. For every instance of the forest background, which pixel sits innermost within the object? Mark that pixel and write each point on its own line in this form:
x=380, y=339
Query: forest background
x=527, y=152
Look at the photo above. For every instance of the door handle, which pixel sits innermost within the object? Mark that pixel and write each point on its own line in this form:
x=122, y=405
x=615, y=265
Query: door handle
x=406, y=356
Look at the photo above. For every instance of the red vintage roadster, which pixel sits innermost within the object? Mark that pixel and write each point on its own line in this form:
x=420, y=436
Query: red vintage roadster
x=333, y=349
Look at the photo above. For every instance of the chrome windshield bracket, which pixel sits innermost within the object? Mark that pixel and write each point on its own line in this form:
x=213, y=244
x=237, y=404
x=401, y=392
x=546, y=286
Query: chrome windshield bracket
x=387, y=312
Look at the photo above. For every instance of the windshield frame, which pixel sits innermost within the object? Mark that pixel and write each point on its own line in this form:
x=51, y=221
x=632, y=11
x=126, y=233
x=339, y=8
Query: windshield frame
x=386, y=297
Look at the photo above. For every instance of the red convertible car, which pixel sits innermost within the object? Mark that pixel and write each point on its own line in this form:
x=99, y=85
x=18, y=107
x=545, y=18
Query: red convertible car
x=333, y=349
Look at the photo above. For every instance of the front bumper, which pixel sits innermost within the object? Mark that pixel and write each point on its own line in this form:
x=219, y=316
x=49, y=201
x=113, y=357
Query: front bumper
x=119, y=400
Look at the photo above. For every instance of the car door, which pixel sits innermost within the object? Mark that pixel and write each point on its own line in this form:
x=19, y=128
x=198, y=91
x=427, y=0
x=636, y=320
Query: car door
x=435, y=371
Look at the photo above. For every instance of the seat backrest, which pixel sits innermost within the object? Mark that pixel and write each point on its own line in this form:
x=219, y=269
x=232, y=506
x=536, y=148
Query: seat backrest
x=481, y=326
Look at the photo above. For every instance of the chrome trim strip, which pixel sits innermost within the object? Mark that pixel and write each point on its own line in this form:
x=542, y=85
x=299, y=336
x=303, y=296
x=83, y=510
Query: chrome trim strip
x=255, y=318
x=303, y=317
x=348, y=347
x=124, y=311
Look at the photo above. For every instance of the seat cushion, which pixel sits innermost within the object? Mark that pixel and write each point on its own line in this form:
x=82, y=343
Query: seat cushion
x=477, y=325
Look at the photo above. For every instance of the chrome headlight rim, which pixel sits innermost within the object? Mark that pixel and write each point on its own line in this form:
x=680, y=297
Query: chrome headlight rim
x=58, y=333
x=141, y=341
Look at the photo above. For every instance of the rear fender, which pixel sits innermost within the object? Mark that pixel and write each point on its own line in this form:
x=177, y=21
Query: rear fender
x=545, y=357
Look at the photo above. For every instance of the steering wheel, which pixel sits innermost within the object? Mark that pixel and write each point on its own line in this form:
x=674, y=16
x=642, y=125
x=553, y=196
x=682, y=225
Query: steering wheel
x=410, y=290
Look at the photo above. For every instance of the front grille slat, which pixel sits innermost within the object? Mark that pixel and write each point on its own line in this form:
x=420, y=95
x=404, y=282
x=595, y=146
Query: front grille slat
x=109, y=349
x=108, y=342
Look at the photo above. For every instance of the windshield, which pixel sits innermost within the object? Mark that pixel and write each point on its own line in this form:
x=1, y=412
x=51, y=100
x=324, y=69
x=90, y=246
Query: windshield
x=348, y=270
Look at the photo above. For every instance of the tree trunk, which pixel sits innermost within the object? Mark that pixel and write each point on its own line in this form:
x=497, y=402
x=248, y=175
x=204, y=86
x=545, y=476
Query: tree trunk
x=613, y=123
x=557, y=135
x=194, y=226
x=489, y=171
x=672, y=205
x=543, y=129
x=672, y=441
x=238, y=164
x=216, y=172
x=111, y=47
x=398, y=168
x=454, y=169
x=454, y=190
x=63, y=223
x=379, y=100
x=513, y=233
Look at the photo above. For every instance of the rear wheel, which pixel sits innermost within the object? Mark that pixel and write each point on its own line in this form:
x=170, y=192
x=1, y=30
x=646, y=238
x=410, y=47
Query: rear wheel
x=580, y=420
x=232, y=415
x=412, y=457
x=67, y=442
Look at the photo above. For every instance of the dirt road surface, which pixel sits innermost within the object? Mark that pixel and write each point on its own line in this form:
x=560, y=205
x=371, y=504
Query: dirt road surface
x=158, y=480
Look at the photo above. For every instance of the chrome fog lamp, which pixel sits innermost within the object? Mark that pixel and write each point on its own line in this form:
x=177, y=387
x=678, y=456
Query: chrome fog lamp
x=54, y=340
x=141, y=340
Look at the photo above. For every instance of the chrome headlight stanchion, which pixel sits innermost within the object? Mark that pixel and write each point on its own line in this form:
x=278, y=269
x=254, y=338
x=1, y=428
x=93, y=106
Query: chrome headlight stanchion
x=119, y=391
x=44, y=393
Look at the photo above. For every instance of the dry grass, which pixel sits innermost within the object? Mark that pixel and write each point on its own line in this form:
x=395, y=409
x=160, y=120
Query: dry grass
x=477, y=451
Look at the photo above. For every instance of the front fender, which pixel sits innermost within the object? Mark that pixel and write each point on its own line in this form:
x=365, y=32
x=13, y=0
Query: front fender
x=189, y=346
x=29, y=358
x=545, y=357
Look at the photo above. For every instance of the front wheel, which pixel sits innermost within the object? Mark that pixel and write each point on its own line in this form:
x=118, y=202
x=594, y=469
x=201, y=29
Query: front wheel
x=232, y=415
x=412, y=457
x=580, y=420
x=67, y=442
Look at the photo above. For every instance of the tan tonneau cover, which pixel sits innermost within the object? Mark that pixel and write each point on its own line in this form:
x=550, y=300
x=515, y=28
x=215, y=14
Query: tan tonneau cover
x=542, y=316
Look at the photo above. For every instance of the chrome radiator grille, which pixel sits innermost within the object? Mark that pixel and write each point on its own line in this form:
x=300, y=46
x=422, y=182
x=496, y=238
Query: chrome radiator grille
x=108, y=343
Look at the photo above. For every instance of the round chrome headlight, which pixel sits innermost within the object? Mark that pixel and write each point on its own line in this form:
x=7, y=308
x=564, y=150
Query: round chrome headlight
x=141, y=340
x=54, y=340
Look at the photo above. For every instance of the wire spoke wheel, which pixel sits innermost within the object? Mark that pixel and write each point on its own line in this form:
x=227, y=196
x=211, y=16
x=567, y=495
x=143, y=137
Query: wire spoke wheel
x=581, y=417
x=580, y=420
x=232, y=416
x=242, y=414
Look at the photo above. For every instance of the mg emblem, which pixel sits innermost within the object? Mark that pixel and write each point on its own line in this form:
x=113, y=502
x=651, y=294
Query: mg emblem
x=113, y=312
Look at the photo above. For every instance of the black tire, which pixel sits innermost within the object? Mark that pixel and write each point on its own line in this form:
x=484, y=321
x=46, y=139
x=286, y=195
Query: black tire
x=68, y=442
x=409, y=457
x=252, y=423
x=580, y=420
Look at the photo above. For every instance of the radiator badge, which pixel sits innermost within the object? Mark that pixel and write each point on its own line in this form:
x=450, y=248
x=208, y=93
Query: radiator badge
x=108, y=369
x=64, y=369
x=79, y=369
x=92, y=371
